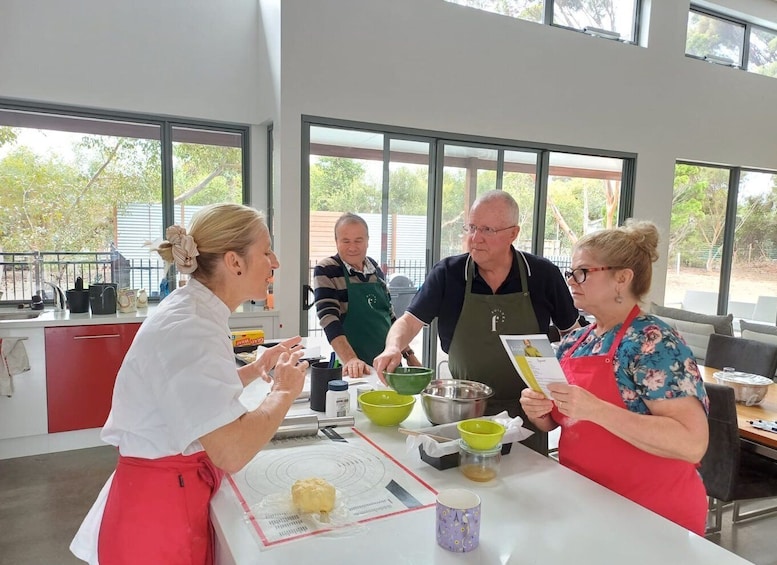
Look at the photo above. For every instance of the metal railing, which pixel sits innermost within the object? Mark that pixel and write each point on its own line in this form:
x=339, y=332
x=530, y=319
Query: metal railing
x=29, y=273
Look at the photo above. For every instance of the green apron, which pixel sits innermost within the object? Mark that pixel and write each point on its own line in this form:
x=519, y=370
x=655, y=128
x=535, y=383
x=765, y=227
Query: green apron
x=368, y=319
x=477, y=354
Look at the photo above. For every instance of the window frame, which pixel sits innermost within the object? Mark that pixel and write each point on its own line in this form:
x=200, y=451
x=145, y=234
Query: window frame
x=547, y=19
x=166, y=125
x=635, y=28
x=729, y=230
x=438, y=140
x=748, y=26
x=163, y=125
x=742, y=63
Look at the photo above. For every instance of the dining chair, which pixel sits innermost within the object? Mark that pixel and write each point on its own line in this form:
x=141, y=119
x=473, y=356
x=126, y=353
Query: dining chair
x=730, y=471
x=746, y=355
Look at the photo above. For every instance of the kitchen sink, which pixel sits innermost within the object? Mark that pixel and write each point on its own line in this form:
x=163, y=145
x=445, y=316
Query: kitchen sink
x=18, y=314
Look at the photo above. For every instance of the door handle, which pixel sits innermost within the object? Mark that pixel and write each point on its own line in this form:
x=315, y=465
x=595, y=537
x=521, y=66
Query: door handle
x=307, y=291
x=101, y=336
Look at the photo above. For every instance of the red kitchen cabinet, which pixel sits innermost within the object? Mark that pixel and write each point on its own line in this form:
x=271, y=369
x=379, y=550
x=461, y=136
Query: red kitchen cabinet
x=81, y=367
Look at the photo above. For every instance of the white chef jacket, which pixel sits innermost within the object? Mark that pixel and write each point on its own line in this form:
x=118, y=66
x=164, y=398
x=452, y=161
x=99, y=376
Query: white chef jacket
x=177, y=383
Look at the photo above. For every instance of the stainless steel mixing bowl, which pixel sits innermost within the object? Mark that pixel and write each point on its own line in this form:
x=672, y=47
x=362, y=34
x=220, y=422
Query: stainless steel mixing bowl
x=748, y=389
x=450, y=400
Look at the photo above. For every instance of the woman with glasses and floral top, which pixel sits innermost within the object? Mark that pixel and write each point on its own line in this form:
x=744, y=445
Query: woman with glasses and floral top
x=491, y=290
x=634, y=415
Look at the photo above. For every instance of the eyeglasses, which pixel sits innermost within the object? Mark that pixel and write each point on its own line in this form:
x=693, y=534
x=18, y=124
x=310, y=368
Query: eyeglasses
x=485, y=230
x=580, y=274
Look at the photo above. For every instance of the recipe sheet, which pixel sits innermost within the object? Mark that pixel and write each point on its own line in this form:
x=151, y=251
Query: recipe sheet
x=535, y=360
x=370, y=484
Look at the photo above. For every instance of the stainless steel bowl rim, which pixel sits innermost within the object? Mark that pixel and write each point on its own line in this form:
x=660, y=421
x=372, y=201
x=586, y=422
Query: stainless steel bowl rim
x=740, y=378
x=485, y=390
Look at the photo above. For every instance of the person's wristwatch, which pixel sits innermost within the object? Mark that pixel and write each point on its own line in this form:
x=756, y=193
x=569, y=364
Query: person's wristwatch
x=407, y=353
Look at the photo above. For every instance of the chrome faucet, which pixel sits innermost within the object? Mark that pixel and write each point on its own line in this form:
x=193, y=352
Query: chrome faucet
x=59, y=296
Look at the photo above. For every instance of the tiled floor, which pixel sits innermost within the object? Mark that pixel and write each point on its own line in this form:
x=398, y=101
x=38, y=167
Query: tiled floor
x=44, y=498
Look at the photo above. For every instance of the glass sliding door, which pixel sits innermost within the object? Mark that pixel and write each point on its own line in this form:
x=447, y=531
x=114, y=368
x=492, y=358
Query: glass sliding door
x=408, y=229
x=696, y=237
x=468, y=172
x=415, y=191
x=346, y=172
x=408, y=223
x=583, y=197
x=385, y=180
x=723, y=245
x=752, y=289
x=520, y=181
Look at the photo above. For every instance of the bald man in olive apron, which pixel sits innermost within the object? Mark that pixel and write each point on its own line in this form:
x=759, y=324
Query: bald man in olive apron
x=493, y=290
x=352, y=299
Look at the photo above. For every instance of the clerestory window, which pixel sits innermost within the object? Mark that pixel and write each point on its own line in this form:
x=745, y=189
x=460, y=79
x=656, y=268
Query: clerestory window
x=609, y=19
x=731, y=41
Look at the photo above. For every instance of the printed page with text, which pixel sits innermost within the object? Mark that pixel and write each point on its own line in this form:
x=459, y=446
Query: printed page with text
x=535, y=360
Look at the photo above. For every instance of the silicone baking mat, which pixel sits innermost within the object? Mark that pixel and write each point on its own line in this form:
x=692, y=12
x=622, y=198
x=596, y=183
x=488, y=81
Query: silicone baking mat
x=370, y=485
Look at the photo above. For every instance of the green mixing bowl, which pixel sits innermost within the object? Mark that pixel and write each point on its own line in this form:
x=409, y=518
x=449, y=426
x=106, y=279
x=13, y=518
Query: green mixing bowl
x=409, y=380
x=386, y=407
x=481, y=434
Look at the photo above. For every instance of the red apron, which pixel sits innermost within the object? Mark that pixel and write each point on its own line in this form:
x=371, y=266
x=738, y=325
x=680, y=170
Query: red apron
x=669, y=487
x=158, y=511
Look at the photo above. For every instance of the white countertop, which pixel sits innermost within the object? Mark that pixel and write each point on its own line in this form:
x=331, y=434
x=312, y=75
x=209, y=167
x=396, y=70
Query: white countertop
x=536, y=511
x=50, y=317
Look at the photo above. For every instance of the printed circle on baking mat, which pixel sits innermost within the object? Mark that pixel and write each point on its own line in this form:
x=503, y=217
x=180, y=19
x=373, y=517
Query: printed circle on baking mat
x=350, y=469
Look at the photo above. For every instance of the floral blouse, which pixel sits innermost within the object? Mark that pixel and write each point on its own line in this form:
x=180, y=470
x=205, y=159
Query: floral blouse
x=652, y=362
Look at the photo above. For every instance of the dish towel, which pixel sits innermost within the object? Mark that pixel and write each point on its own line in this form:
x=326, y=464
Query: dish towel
x=13, y=360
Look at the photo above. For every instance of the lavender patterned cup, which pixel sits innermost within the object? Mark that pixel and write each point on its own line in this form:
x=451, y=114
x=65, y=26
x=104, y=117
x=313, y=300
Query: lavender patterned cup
x=458, y=520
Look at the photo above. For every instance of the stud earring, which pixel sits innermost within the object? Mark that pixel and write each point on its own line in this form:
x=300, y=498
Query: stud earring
x=239, y=273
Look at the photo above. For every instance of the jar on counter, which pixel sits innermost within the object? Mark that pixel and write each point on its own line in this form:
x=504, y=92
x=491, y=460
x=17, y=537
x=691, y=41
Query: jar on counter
x=142, y=298
x=361, y=389
x=481, y=465
x=338, y=399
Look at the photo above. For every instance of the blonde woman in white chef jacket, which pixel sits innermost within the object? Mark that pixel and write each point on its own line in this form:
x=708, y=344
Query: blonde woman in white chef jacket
x=176, y=417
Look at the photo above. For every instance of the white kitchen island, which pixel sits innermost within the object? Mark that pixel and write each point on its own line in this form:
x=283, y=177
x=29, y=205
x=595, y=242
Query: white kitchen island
x=535, y=512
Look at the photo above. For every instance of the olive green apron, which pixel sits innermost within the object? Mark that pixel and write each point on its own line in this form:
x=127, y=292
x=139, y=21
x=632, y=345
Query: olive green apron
x=368, y=319
x=477, y=354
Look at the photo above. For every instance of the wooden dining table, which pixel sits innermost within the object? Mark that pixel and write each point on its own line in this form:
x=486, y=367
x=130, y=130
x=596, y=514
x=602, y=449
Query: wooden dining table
x=766, y=410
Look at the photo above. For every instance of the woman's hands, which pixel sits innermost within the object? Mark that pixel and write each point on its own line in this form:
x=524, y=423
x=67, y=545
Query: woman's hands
x=536, y=405
x=571, y=401
x=267, y=361
x=234, y=444
x=575, y=402
x=289, y=374
x=537, y=408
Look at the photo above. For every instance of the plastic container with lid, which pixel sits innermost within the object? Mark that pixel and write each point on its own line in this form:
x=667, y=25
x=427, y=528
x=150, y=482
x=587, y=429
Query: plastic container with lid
x=338, y=399
x=481, y=465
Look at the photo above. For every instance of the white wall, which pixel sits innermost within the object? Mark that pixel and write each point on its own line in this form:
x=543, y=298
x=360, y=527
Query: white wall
x=415, y=63
x=192, y=58
x=196, y=59
x=432, y=65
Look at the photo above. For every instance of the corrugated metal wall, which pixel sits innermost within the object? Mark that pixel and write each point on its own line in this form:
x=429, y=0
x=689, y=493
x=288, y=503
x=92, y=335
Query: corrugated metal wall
x=140, y=223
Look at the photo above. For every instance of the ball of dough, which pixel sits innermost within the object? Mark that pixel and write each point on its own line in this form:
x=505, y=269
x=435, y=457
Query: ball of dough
x=313, y=495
